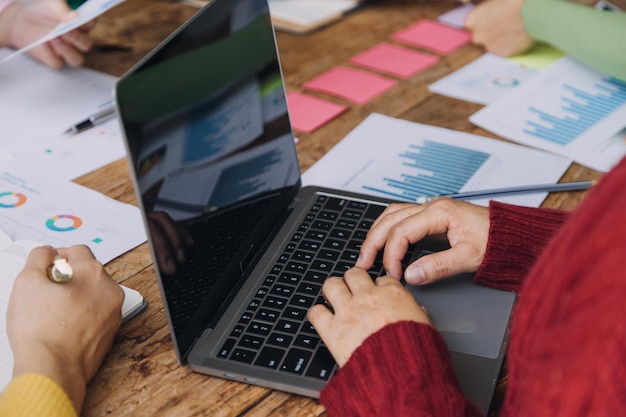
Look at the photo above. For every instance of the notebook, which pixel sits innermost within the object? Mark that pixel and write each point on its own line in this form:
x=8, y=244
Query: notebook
x=212, y=156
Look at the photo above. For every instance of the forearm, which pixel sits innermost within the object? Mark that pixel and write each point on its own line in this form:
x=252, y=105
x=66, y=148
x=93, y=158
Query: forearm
x=595, y=37
x=517, y=236
x=403, y=369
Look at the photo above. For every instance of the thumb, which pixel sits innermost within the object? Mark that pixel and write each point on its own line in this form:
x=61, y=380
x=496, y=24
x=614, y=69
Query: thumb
x=438, y=265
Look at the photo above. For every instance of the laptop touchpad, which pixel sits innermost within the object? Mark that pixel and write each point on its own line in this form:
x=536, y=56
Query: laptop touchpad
x=472, y=318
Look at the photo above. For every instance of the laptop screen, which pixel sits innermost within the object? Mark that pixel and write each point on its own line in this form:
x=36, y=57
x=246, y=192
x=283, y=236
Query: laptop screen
x=211, y=146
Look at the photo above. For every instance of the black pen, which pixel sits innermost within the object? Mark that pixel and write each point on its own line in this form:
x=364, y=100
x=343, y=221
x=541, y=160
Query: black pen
x=91, y=121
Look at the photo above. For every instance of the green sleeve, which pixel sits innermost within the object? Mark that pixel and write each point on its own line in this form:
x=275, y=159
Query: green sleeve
x=595, y=37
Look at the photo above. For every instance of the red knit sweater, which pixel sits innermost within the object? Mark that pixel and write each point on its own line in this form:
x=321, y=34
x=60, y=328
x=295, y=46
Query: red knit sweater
x=567, y=351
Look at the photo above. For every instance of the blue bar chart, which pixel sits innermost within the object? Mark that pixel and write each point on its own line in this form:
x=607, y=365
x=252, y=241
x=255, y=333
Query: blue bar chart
x=569, y=109
x=582, y=111
x=431, y=169
x=245, y=178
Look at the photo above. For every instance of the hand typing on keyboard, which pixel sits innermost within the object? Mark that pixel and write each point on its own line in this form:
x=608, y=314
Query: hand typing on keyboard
x=361, y=307
x=465, y=225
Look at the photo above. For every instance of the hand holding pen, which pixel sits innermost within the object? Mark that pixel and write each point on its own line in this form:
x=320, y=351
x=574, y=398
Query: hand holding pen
x=91, y=121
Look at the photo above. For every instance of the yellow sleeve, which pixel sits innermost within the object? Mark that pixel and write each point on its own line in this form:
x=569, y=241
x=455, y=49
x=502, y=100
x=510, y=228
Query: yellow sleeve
x=35, y=395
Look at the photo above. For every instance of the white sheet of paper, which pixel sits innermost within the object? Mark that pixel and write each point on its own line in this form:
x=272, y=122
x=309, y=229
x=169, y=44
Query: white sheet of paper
x=86, y=13
x=483, y=80
x=307, y=12
x=569, y=109
x=38, y=104
x=39, y=207
x=394, y=158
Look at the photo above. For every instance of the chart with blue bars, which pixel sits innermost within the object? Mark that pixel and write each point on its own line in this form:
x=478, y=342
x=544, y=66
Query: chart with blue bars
x=583, y=110
x=431, y=169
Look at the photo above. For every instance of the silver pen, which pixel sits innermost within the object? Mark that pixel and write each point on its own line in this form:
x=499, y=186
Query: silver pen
x=91, y=121
x=561, y=186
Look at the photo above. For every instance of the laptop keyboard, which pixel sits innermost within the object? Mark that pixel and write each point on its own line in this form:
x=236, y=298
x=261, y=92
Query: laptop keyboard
x=273, y=332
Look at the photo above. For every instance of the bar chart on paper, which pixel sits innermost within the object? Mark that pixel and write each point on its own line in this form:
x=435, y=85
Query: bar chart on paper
x=402, y=160
x=568, y=109
x=431, y=169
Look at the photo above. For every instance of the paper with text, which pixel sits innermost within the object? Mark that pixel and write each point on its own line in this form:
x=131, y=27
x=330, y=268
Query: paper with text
x=41, y=104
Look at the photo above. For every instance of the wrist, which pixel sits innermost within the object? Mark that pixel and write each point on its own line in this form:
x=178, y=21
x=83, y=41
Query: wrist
x=56, y=366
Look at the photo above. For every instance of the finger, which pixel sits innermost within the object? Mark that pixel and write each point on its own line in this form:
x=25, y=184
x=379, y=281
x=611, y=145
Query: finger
x=39, y=259
x=357, y=279
x=433, y=219
x=335, y=292
x=46, y=54
x=79, y=40
x=378, y=233
x=67, y=53
x=438, y=265
x=320, y=317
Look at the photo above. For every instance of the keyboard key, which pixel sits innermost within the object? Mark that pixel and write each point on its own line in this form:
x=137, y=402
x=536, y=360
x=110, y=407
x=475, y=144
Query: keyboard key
x=334, y=244
x=225, y=350
x=307, y=327
x=309, y=289
x=310, y=245
x=287, y=326
x=243, y=355
x=322, y=265
x=306, y=341
x=237, y=331
x=290, y=278
x=270, y=357
x=266, y=315
x=322, y=364
x=275, y=302
x=279, y=339
x=252, y=342
x=295, y=313
x=282, y=290
x=262, y=329
x=296, y=361
x=314, y=276
x=302, y=301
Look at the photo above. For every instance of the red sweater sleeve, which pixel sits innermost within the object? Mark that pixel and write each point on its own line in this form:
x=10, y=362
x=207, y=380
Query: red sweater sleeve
x=417, y=378
x=517, y=236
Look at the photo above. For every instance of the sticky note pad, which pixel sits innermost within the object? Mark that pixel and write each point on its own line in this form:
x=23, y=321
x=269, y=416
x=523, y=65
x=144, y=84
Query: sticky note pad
x=434, y=36
x=395, y=60
x=352, y=84
x=308, y=113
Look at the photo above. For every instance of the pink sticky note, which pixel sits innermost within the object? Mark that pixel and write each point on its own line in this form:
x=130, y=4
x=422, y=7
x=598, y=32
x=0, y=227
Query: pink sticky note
x=352, y=84
x=395, y=60
x=308, y=113
x=432, y=35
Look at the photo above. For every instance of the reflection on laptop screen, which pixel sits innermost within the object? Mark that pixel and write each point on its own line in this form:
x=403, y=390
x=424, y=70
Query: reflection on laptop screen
x=210, y=140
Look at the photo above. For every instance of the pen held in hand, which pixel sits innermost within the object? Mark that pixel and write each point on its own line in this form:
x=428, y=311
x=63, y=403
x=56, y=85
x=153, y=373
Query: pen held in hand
x=523, y=189
x=93, y=120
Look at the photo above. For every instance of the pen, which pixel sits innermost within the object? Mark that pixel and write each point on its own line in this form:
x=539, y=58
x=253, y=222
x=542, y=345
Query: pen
x=562, y=186
x=91, y=121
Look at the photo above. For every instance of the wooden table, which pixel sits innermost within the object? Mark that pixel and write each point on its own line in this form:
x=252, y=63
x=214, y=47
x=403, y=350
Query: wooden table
x=141, y=376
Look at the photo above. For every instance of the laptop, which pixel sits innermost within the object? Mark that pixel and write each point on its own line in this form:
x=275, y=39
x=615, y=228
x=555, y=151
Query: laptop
x=212, y=156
